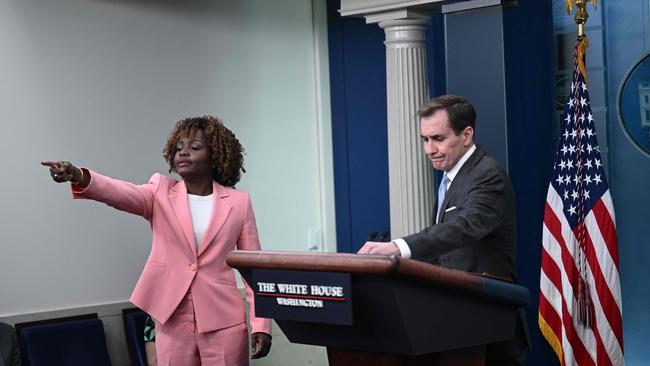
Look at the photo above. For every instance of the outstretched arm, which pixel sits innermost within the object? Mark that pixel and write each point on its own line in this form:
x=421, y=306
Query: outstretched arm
x=122, y=195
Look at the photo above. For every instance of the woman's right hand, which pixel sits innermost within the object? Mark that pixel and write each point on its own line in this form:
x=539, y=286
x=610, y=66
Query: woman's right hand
x=64, y=171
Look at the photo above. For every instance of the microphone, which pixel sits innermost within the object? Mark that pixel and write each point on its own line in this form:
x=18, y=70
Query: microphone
x=383, y=236
x=371, y=236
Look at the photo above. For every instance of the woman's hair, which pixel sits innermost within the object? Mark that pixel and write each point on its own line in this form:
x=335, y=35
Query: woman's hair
x=226, y=152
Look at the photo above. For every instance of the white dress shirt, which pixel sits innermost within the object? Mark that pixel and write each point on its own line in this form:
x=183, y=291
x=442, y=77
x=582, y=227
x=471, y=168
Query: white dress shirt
x=201, y=211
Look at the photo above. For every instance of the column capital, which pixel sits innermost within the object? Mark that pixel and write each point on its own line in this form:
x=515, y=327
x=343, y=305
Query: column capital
x=404, y=32
x=411, y=23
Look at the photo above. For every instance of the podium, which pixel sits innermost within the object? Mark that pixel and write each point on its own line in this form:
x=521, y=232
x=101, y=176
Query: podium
x=380, y=310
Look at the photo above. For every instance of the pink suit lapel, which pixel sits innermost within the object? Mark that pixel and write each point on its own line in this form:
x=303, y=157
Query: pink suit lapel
x=178, y=200
x=221, y=206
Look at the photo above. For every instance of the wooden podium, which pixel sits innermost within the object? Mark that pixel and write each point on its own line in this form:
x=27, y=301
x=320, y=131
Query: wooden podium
x=403, y=312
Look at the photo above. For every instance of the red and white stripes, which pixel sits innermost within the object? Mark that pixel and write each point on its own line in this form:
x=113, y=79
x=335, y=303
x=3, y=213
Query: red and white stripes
x=575, y=344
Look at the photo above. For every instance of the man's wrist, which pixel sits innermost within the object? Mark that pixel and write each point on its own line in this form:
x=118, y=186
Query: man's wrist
x=404, y=249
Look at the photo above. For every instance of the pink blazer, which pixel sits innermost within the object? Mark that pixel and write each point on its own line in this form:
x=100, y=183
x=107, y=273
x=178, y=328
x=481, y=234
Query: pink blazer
x=174, y=265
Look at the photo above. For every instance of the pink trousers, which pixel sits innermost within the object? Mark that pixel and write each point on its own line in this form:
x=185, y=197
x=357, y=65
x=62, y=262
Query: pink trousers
x=179, y=344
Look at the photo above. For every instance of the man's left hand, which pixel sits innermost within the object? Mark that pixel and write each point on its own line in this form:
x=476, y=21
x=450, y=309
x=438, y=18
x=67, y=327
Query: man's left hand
x=379, y=248
x=261, y=344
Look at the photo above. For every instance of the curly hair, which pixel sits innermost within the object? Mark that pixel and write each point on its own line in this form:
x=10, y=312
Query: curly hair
x=226, y=152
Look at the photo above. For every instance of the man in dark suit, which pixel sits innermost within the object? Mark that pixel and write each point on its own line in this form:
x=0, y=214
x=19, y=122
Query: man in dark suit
x=474, y=219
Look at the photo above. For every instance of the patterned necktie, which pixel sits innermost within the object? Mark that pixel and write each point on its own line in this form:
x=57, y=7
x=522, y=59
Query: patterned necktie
x=442, y=190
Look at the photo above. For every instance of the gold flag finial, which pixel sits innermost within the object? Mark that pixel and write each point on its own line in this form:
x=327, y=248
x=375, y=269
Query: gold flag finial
x=581, y=13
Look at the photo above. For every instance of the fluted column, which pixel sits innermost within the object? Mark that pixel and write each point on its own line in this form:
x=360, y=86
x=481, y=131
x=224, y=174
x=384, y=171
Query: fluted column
x=410, y=173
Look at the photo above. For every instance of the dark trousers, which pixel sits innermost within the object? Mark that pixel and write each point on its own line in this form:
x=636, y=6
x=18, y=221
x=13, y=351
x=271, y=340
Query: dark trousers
x=519, y=360
x=511, y=352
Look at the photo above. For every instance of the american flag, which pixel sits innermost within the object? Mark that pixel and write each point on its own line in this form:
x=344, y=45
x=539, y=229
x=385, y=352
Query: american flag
x=580, y=293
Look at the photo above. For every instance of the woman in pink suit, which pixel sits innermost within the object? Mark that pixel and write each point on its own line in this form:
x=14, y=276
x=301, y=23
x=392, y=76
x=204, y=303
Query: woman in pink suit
x=186, y=285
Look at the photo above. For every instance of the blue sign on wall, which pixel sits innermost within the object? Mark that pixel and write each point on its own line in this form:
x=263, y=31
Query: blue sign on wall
x=634, y=105
x=317, y=297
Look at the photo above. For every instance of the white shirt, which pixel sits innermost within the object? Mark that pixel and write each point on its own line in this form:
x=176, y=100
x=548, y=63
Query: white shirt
x=201, y=211
x=404, y=249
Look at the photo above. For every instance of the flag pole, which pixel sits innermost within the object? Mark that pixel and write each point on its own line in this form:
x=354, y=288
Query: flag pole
x=581, y=14
x=583, y=301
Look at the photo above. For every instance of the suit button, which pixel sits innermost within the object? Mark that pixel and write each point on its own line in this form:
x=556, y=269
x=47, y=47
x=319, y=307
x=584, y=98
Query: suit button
x=193, y=267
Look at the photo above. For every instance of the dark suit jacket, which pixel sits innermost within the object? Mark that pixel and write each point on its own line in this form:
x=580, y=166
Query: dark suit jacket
x=476, y=232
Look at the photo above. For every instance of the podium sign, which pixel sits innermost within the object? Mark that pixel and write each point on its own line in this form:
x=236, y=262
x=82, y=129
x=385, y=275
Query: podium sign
x=317, y=297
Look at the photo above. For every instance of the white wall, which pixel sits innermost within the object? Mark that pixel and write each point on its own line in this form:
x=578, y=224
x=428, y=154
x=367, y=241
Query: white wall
x=101, y=83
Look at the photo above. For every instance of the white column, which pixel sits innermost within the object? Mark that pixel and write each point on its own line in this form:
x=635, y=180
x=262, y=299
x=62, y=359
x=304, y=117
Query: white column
x=410, y=173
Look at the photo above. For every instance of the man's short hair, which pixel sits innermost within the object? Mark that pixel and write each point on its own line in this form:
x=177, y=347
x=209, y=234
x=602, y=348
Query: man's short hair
x=460, y=111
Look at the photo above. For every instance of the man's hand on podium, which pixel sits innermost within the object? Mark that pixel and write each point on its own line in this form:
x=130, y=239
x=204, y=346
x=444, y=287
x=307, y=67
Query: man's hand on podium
x=379, y=248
